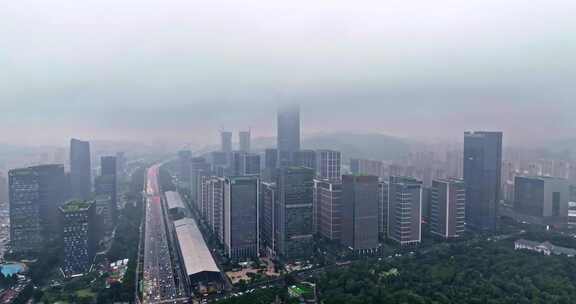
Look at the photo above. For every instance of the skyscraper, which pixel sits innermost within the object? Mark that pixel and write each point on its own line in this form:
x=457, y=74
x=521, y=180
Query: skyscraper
x=25, y=223
x=79, y=236
x=328, y=163
x=52, y=194
x=80, y=169
x=288, y=128
x=244, y=138
x=405, y=210
x=270, y=165
x=328, y=209
x=267, y=217
x=294, y=225
x=226, y=142
x=241, y=227
x=482, y=174
x=107, y=184
x=448, y=208
x=360, y=213
x=383, y=188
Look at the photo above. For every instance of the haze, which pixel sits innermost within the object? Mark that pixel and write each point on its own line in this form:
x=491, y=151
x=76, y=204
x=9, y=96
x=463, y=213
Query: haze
x=181, y=70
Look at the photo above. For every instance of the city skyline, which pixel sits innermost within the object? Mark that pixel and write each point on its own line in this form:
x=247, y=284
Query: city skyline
x=229, y=68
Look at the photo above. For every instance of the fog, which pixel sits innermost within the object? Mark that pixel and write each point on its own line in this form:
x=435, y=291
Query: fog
x=182, y=70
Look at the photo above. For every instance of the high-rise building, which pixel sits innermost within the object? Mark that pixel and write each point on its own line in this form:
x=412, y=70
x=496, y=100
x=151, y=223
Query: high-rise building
x=267, y=217
x=252, y=164
x=25, y=223
x=366, y=167
x=328, y=163
x=270, y=165
x=79, y=236
x=215, y=219
x=35, y=195
x=288, y=128
x=383, y=208
x=294, y=228
x=541, y=200
x=4, y=198
x=405, y=210
x=107, y=184
x=448, y=208
x=241, y=235
x=80, y=169
x=305, y=158
x=226, y=142
x=198, y=168
x=244, y=138
x=52, y=194
x=360, y=213
x=482, y=174
x=328, y=209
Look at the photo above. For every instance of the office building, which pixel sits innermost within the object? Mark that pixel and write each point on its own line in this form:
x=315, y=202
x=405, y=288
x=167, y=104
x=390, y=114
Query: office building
x=360, y=213
x=328, y=164
x=52, y=194
x=226, y=142
x=405, y=210
x=383, y=188
x=288, y=137
x=541, y=200
x=294, y=229
x=107, y=184
x=270, y=165
x=268, y=218
x=241, y=235
x=328, y=209
x=198, y=168
x=79, y=236
x=80, y=169
x=244, y=138
x=482, y=174
x=215, y=218
x=448, y=208
x=25, y=223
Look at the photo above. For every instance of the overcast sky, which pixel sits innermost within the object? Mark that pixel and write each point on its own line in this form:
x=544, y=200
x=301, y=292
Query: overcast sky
x=181, y=70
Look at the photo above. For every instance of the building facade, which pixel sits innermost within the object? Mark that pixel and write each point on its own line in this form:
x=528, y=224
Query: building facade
x=448, y=208
x=79, y=236
x=405, y=210
x=294, y=228
x=328, y=164
x=80, y=169
x=483, y=175
x=360, y=213
x=288, y=137
x=241, y=217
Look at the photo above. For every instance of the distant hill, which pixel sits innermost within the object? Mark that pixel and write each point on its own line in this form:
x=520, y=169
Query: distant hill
x=370, y=145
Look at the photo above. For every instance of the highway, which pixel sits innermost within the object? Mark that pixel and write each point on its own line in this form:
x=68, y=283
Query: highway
x=159, y=282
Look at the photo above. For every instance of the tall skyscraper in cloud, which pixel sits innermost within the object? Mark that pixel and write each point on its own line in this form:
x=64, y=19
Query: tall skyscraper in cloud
x=244, y=140
x=80, y=169
x=288, y=133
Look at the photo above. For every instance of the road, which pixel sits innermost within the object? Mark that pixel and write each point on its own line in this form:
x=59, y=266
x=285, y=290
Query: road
x=159, y=282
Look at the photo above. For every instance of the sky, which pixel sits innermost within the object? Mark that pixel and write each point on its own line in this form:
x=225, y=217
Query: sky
x=180, y=71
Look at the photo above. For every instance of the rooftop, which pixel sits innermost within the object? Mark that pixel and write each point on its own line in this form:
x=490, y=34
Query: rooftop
x=196, y=255
x=174, y=200
x=76, y=205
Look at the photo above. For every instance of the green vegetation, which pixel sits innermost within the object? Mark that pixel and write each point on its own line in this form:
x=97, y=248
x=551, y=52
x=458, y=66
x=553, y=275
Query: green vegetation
x=466, y=272
x=262, y=296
